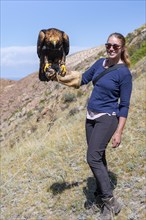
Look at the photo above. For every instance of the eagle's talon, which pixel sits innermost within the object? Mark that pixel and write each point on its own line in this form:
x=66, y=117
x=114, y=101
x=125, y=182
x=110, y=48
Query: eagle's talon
x=63, y=70
x=47, y=67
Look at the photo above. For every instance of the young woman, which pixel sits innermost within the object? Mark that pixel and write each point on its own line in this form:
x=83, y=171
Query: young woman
x=107, y=112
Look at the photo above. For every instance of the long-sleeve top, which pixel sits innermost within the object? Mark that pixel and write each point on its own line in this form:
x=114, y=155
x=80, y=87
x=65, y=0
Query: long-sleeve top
x=112, y=92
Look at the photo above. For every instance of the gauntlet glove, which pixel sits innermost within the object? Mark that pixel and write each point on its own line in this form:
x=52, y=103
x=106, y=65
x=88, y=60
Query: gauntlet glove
x=71, y=79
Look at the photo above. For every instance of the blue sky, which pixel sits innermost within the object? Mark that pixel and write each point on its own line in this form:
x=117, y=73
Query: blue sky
x=88, y=24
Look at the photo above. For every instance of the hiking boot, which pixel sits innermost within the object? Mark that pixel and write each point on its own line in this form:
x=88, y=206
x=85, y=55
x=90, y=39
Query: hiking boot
x=111, y=207
x=106, y=214
x=112, y=204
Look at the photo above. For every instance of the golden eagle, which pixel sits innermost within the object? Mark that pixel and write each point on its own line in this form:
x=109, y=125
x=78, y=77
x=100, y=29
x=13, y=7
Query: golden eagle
x=52, y=49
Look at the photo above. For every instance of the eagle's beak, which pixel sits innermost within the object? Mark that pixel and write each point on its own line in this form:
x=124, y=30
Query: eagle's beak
x=54, y=43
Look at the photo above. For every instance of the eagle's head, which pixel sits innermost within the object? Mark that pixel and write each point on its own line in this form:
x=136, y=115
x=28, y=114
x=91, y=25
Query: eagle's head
x=53, y=39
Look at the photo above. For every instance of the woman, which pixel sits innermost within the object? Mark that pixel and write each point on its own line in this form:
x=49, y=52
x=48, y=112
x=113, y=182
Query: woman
x=106, y=117
x=107, y=111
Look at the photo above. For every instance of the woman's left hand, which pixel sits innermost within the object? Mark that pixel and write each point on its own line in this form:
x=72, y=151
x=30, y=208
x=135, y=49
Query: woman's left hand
x=116, y=139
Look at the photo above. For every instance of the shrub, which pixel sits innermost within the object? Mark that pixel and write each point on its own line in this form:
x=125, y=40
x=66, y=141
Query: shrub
x=29, y=114
x=74, y=111
x=69, y=97
x=139, y=53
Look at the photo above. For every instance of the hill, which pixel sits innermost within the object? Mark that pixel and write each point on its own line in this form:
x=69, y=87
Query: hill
x=44, y=173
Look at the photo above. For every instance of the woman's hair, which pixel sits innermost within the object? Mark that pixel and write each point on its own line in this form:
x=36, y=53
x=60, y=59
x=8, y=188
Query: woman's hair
x=124, y=54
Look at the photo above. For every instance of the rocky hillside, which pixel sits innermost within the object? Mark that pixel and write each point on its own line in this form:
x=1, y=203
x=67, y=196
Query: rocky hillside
x=38, y=118
x=5, y=83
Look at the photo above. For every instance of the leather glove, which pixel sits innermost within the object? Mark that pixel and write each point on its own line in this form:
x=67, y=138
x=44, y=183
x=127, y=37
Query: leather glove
x=71, y=79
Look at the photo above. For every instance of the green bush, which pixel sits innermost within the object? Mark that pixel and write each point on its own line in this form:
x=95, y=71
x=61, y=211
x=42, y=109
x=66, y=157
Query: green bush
x=29, y=114
x=69, y=97
x=138, y=54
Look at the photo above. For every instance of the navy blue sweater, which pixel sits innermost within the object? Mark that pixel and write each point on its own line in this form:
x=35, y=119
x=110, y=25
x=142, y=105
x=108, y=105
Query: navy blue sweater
x=111, y=92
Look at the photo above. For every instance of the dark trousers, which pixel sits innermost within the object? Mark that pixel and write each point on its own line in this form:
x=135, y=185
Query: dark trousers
x=98, y=134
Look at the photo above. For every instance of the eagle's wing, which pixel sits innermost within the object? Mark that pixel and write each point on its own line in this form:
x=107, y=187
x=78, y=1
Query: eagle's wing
x=40, y=42
x=66, y=43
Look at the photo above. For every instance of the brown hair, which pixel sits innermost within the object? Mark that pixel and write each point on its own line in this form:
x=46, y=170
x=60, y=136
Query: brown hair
x=124, y=54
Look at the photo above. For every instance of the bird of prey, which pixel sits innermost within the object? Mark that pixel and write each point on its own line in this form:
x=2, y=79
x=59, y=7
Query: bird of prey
x=52, y=49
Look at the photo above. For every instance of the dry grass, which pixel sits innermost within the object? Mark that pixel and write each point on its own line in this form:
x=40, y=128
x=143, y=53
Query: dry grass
x=46, y=177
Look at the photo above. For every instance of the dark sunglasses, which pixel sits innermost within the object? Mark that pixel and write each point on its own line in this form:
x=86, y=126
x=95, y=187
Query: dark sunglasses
x=115, y=46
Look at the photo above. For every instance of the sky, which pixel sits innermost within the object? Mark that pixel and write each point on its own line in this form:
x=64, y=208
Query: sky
x=87, y=23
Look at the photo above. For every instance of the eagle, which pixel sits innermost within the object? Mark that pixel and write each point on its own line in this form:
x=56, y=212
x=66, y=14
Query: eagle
x=52, y=49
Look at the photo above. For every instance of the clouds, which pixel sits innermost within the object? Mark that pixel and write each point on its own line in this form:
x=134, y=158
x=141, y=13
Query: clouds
x=18, y=62
x=12, y=56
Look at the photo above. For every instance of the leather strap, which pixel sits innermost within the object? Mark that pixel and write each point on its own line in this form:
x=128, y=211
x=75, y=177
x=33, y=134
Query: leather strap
x=114, y=67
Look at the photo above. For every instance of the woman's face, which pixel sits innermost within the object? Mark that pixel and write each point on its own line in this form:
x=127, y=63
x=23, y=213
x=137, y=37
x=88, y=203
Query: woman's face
x=114, y=48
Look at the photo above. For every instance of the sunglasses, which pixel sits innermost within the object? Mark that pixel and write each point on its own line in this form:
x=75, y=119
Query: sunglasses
x=115, y=46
